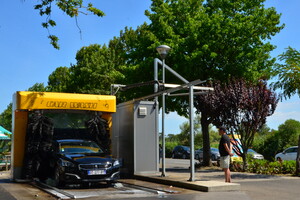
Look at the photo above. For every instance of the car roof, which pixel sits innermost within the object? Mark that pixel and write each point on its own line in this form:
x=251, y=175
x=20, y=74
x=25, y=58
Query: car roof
x=72, y=140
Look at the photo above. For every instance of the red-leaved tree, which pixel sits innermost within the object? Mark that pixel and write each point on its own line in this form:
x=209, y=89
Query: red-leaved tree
x=241, y=106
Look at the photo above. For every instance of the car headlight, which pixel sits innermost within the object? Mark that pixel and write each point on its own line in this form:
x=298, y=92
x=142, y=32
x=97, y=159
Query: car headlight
x=116, y=163
x=65, y=163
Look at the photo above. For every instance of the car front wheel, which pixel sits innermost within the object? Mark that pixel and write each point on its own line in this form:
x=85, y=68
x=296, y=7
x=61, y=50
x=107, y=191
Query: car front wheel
x=213, y=157
x=110, y=183
x=57, y=178
x=279, y=159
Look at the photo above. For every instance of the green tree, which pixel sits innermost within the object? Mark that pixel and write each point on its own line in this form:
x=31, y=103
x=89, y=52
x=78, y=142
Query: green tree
x=136, y=50
x=288, y=133
x=38, y=87
x=5, y=117
x=5, y=147
x=172, y=138
x=260, y=138
x=277, y=140
x=58, y=81
x=268, y=145
x=288, y=73
x=71, y=8
x=94, y=71
x=215, y=39
x=184, y=135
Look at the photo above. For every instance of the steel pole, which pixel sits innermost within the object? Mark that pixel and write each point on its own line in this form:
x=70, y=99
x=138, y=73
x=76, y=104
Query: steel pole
x=192, y=165
x=163, y=173
x=156, y=109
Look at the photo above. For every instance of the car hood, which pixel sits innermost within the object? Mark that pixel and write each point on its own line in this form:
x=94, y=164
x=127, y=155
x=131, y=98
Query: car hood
x=279, y=154
x=87, y=159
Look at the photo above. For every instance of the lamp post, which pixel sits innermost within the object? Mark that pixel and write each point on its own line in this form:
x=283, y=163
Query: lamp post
x=163, y=52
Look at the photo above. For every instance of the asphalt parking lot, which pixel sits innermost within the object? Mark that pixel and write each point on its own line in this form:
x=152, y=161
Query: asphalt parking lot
x=252, y=186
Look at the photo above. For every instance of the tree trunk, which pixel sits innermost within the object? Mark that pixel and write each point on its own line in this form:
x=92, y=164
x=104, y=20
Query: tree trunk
x=245, y=162
x=206, y=140
x=298, y=159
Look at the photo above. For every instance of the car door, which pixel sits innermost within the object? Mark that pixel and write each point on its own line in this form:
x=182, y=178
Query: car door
x=180, y=152
x=201, y=154
x=176, y=152
x=293, y=154
x=290, y=154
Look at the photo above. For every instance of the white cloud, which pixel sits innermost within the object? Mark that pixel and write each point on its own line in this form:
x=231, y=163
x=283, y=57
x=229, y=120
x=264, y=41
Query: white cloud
x=288, y=109
x=172, y=123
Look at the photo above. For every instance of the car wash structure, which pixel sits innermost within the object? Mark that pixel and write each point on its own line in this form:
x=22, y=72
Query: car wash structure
x=142, y=130
x=42, y=117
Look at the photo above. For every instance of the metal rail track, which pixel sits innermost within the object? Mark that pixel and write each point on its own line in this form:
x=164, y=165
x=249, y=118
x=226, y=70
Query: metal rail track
x=119, y=188
x=58, y=193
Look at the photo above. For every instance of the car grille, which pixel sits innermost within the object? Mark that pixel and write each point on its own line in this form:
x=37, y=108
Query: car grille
x=94, y=166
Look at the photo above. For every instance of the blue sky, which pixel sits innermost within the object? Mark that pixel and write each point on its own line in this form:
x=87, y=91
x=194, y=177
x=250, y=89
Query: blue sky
x=28, y=58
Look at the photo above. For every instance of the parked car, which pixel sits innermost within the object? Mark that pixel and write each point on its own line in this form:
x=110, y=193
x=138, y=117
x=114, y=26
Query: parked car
x=215, y=155
x=181, y=152
x=254, y=154
x=82, y=161
x=288, y=154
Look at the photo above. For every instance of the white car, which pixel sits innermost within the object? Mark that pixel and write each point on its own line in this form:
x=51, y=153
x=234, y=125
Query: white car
x=255, y=155
x=288, y=154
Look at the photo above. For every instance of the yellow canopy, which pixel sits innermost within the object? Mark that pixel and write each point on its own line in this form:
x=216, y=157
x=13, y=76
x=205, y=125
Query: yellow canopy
x=52, y=100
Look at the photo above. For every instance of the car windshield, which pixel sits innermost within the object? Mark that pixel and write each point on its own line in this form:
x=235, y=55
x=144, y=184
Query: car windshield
x=186, y=148
x=251, y=151
x=79, y=147
x=214, y=149
x=211, y=149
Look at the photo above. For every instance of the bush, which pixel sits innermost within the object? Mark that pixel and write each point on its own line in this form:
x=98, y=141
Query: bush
x=169, y=148
x=266, y=167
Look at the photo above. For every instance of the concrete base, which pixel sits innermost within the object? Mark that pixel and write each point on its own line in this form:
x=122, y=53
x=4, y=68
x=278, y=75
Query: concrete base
x=205, y=186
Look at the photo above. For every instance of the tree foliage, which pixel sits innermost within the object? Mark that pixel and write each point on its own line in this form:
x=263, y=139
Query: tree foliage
x=184, y=135
x=94, y=71
x=288, y=73
x=72, y=8
x=58, y=81
x=5, y=117
x=277, y=140
x=38, y=87
x=288, y=133
x=241, y=106
x=217, y=39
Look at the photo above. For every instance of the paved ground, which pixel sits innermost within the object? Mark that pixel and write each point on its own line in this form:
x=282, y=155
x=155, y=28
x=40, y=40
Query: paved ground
x=251, y=186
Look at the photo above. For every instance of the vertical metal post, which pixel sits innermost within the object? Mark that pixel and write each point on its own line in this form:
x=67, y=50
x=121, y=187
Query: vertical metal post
x=156, y=107
x=163, y=174
x=163, y=51
x=192, y=165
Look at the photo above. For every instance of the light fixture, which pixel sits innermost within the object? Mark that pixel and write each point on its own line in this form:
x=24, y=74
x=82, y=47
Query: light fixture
x=163, y=50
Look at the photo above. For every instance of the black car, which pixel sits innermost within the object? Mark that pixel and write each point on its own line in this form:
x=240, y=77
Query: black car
x=215, y=155
x=181, y=152
x=82, y=161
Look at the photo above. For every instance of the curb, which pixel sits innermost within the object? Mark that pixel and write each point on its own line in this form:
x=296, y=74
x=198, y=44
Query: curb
x=204, y=186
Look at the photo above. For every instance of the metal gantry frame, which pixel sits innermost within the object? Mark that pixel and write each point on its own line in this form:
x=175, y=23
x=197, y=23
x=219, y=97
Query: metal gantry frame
x=191, y=86
x=168, y=92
